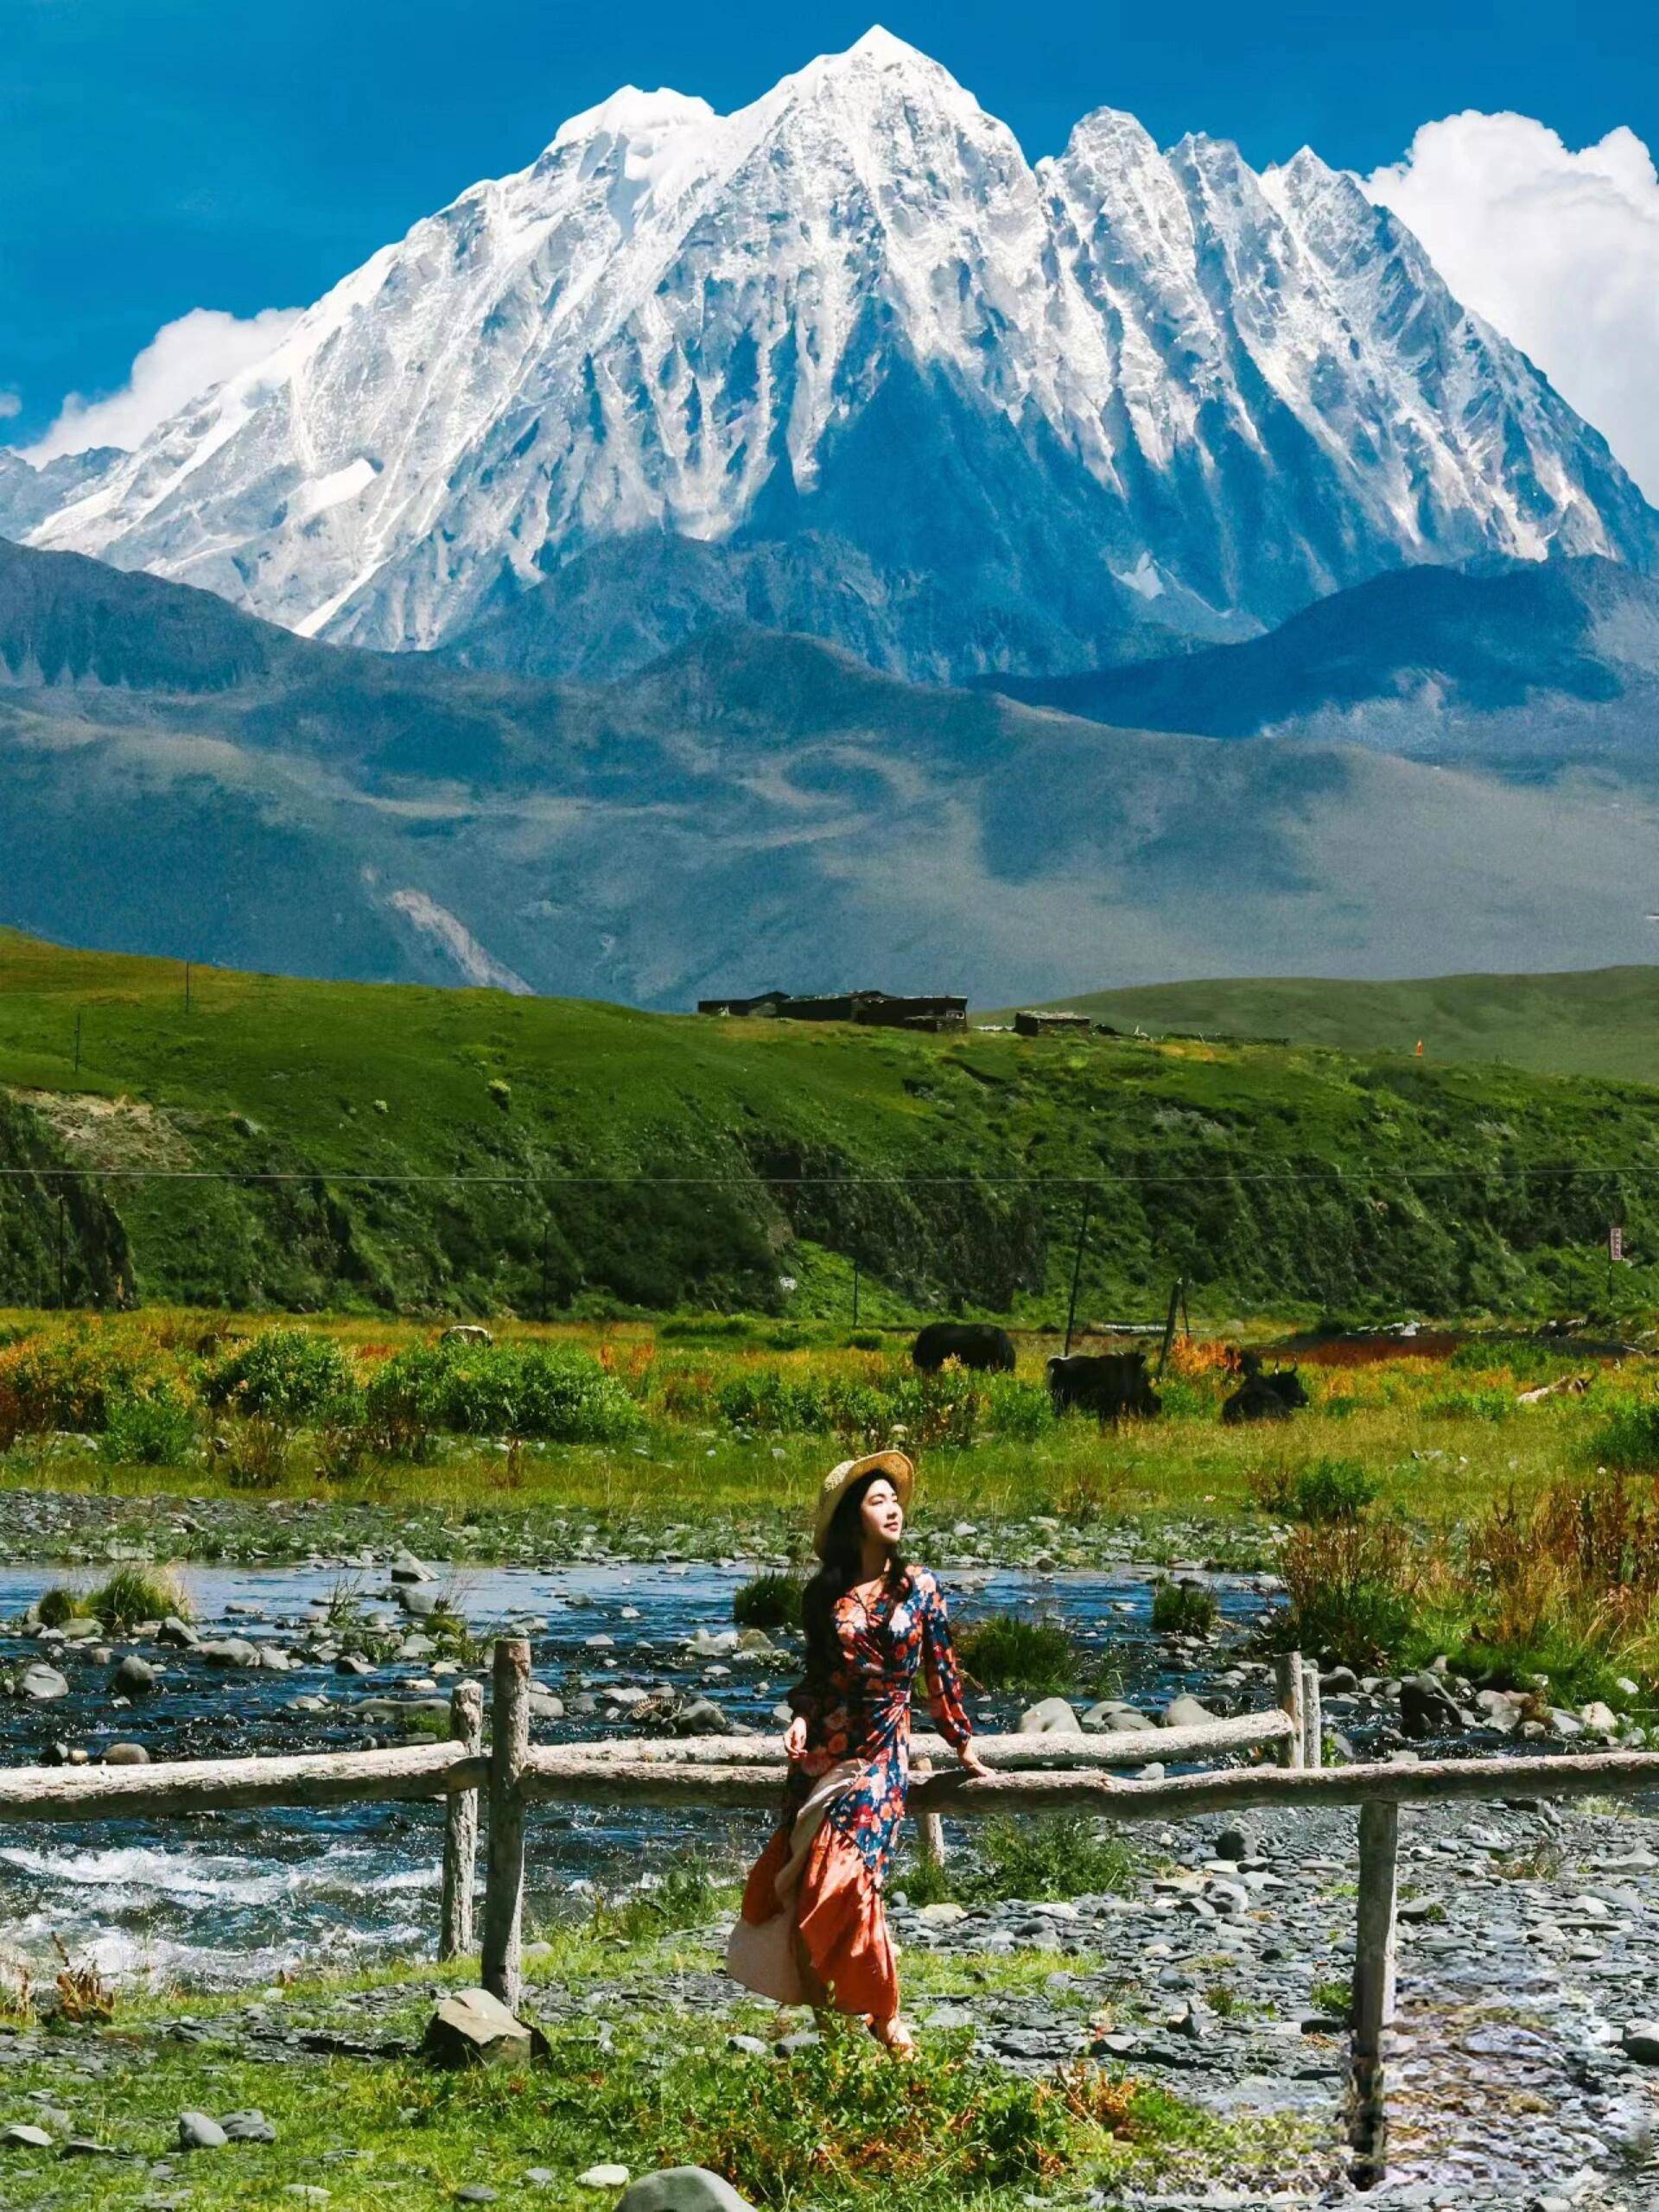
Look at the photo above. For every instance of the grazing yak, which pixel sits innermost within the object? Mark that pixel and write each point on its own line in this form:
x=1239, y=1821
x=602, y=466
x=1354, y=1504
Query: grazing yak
x=1265, y=1397
x=976, y=1344
x=1107, y=1385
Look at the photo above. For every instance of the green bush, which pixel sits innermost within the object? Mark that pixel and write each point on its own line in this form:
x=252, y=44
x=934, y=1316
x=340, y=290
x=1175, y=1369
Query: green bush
x=1183, y=1609
x=1022, y=1412
x=1332, y=1489
x=769, y=1601
x=59, y=1604
x=291, y=1375
x=1491, y=1404
x=1628, y=1441
x=138, y=1593
x=154, y=1429
x=551, y=1392
x=1055, y=1855
x=1036, y=1658
x=69, y=1381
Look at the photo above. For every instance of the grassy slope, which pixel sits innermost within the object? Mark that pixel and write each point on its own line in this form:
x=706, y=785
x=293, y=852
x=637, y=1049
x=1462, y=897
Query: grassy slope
x=1601, y=1021
x=1189, y=1148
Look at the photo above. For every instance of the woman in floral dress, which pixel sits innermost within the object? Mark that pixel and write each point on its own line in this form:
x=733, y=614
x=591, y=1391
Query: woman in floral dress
x=812, y=1930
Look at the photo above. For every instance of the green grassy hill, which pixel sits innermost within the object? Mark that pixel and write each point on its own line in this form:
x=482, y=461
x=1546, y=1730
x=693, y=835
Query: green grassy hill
x=1601, y=1021
x=586, y=1158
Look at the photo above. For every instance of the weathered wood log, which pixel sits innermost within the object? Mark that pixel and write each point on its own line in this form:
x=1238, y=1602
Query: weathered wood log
x=502, y=1966
x=461, y=1829
x=551, y=1773
x=1287, y=1677
x=174, y=1787
x=1005, y=1754
x=1374, y=1958
x=1312, y=1716
x=929, y=1827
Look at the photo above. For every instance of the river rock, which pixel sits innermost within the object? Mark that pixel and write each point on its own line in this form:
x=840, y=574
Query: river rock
x=43, y=1683
x=178, y=1633
x=472, y=2028
x=197, y=2131
x=126, y=1755
x=1051, y=1716
x=229, y=1651
x=407, y=1569
x=133, y=1677
x=1112, y=1718
x=701, y=1717
x=1427, y=1707
x=420, y=1600
x=682, y=2188
x=1187, y=1712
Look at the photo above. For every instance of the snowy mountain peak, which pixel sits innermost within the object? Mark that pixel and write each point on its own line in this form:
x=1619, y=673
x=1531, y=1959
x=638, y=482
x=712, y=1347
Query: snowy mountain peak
x=902, y=387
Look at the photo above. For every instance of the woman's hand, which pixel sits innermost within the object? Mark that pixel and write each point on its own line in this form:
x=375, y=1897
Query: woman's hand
x=972, y=1761
x=795, y=1738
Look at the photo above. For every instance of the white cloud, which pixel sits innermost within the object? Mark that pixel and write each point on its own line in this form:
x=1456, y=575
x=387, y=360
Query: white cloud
x=1559, y=249
x=182, y=361
x=11, y=402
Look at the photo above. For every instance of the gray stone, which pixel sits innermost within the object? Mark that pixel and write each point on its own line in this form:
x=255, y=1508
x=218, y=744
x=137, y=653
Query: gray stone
x=603, y=2177
x=1427, y=1707
x=420, y=1600
x=126, y=1755
x=1640, y=2041
x=702, y=1717
x=24, y=2135
x=407, y=1569
x=472, y=2028
x=1111, y=1718
x=229, y=1651
x=1233, y=1843
x=197, y=2131
x=248, y=2128
x=1051, y=1716
x=133, y=1677
x=477, y=2192
x=682, y=2188
x=178, y=1633
x=43, y=1683
x=803, y=2039
x=1186, y=1713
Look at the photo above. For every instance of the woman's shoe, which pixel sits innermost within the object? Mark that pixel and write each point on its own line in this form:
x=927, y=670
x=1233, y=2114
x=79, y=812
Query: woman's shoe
x=894, y=2038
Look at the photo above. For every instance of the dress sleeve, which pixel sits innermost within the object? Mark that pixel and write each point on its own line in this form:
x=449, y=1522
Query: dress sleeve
x=944, y=1682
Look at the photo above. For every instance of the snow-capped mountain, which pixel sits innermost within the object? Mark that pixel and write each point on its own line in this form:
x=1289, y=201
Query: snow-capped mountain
x=1013, y=410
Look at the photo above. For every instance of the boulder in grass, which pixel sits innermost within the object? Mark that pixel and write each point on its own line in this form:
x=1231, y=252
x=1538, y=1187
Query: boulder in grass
x=472, y=2028
x=682, y=2188
x=248, y=2128
x=199, y=2131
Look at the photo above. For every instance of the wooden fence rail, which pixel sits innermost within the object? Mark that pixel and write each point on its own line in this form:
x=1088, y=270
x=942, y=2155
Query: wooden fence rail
x=1029, y=1773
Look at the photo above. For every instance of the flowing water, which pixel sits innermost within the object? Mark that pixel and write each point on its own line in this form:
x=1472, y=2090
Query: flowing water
x=240, y=1896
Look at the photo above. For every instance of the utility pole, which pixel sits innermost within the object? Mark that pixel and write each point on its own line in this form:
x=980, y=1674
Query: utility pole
x=77, y=1044
x=1077, y=1270
x=546, y=1232
x=855, y=1290
x=63, y=1293
x=187, y=987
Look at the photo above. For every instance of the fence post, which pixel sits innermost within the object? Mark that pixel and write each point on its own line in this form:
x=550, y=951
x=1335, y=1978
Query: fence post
x=503, y=1880
x=1312, y=1716
x=1379, y=1842
x=1287, y=1675
x=929, y=1827
x=461, y=1829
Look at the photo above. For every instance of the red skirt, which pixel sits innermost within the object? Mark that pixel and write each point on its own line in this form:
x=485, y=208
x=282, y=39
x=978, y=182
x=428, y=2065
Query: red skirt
x=843, y=1949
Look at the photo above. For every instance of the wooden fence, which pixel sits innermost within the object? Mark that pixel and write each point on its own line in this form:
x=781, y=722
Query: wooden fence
x=1028, y=1774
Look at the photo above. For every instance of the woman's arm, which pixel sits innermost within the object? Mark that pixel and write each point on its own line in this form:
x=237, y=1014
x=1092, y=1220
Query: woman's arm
x=944, y=1679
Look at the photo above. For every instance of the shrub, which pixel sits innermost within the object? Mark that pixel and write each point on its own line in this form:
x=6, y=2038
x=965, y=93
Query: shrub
x=292, y=1375
x=156, y=1429
x=1628, y=1441
x=1023, y=1412
x=1491, y=1404
x=53, y=1607
x=549, y=1391
x=1037, y=1658
x=1353, y=1588
x=256, y=1454
x=131, y=1594
x=69, y=1381
x=1183, y=1608
x=769, y=1601
x=1328, y=1489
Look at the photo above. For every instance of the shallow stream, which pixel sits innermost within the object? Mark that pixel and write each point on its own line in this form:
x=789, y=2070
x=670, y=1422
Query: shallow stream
x=240, y=1896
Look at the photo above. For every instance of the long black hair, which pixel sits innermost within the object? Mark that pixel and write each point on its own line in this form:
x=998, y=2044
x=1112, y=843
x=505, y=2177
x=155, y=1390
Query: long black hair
x=843, y=1565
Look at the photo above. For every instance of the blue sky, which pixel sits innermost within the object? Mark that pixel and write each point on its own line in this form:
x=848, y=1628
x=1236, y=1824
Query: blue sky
x=178, y=154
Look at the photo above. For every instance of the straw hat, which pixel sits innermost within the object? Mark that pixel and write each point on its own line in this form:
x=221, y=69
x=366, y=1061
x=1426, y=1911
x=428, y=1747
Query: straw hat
x=892, y=1464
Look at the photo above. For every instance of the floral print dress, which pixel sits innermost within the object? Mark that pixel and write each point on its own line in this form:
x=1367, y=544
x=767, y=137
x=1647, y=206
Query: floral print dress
x=825, y=1866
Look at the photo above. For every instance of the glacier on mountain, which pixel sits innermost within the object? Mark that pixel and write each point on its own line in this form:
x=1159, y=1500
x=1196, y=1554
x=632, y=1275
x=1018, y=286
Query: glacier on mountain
x=874, y=373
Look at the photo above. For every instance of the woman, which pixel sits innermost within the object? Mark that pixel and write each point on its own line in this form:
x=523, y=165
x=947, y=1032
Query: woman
x=812, y=1930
